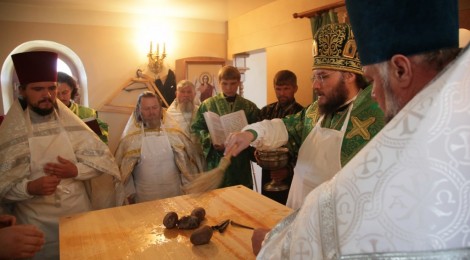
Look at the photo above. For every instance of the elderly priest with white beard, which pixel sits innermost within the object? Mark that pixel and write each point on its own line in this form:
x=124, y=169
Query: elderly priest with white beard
x=177, y=121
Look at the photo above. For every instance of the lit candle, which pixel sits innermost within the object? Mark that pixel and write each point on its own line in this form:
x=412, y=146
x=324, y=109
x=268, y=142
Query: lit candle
x=158, y=49
x=163, y=48
x=150, y=47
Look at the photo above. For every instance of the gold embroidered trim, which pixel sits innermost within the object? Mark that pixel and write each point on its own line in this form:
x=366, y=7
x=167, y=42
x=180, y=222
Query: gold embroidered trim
x=454, y=254
x=328, y=232
x=360, y=127
x=334, y=48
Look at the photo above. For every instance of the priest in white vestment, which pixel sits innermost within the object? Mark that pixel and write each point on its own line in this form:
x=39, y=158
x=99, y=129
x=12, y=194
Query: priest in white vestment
x=51, y=164
x=149, y=155
x=405, y=195
x=177, y=121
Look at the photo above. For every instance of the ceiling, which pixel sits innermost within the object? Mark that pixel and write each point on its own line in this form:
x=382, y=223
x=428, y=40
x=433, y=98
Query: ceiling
x=212, y=10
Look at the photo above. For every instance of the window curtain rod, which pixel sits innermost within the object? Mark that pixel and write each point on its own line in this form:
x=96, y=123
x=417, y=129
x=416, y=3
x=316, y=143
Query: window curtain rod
x=319, y=10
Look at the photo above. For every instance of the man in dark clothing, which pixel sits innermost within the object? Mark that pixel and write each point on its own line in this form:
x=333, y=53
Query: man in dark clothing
x=285, y=86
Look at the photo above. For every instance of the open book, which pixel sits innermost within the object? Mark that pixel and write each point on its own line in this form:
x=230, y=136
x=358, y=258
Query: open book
x=221, y=126
x=93, y=124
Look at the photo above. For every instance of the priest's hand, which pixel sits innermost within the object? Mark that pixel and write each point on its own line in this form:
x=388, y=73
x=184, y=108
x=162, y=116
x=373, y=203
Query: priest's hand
x=20, y=241
x=64, y=169
x=45, y=185
x=219, y=147
x=257, y=239
x=237, y=142
x=7, y=220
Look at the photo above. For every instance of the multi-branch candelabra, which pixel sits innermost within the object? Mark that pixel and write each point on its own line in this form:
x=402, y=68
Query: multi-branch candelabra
x=155, y=60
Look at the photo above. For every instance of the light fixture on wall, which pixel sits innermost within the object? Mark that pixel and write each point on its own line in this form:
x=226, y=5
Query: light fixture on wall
x=240, y=64
x=155, y=59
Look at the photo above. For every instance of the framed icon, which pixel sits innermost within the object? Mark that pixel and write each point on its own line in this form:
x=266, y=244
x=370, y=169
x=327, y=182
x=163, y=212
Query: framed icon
x=202, y=71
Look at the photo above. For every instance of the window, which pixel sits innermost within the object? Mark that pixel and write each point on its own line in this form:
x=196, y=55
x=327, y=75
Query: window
x=63, y=67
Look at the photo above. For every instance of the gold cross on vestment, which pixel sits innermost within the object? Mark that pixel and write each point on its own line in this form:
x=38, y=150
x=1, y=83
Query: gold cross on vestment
x=360, y=127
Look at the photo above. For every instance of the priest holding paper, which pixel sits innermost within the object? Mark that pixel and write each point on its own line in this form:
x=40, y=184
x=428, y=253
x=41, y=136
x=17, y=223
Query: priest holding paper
x=239, y=172
x=67, y=89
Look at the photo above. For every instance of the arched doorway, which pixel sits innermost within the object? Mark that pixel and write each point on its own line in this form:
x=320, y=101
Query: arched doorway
x=8, y=81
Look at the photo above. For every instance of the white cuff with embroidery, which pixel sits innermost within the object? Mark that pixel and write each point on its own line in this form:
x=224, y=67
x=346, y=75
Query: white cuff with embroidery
x=271, y=134
x=19, y=191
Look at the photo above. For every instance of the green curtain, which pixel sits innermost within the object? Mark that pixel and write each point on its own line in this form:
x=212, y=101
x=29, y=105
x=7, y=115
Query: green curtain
x=324, y=18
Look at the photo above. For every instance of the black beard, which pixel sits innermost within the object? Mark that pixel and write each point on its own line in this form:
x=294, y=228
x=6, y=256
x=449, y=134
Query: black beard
x=40, y=111
x=337, y=98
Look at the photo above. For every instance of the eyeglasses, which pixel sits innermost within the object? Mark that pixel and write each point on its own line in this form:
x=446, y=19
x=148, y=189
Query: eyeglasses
x=320, y=77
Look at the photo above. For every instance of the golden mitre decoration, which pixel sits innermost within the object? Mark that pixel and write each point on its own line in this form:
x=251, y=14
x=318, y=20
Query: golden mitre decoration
x=334, y=48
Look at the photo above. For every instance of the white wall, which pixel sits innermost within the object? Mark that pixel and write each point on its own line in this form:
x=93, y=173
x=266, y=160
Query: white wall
x=255, y=79
x=255, y=90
